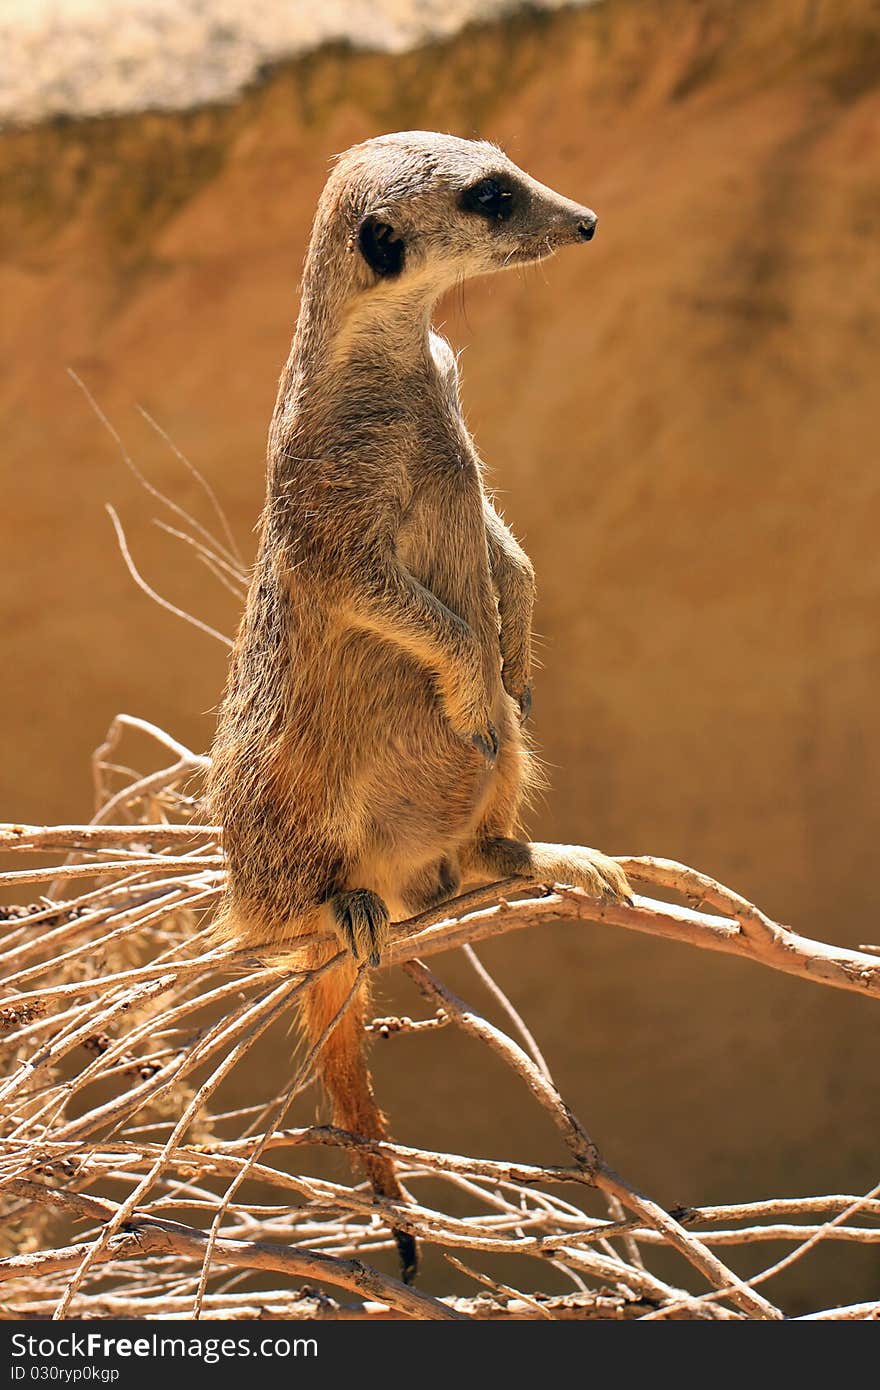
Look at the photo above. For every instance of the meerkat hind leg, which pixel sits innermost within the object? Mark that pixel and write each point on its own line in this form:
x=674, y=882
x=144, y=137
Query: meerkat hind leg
x=360, y=919
x=500, y=857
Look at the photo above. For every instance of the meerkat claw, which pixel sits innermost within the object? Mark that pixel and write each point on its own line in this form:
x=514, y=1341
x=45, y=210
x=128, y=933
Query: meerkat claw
x=486, y=743
x=519, y=690
x=361, y=921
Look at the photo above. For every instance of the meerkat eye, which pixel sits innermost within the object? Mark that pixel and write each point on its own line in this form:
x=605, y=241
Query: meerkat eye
x=490, y=198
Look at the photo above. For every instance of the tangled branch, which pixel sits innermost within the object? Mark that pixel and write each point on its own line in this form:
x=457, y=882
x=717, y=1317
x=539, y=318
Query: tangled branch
x=130, y=1188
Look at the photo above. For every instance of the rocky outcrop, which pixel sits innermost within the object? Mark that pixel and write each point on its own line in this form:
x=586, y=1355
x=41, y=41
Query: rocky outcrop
x=75, y=58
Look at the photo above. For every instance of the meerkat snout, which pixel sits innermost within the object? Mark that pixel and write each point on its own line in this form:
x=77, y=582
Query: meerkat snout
x=587, y=227
x=425, y=211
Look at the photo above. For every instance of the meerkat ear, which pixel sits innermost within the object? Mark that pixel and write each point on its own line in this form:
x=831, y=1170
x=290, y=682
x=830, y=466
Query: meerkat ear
x=381, y=246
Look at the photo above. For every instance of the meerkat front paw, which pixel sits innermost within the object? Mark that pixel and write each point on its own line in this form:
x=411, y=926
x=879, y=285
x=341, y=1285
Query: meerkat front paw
x=361, y=921
x=519, y=690
x=467, y=709
x=485, y=741
x=524, y=703
x=477, y=731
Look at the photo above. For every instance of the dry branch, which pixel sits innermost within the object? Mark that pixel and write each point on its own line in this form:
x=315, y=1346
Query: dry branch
x=121, y=1024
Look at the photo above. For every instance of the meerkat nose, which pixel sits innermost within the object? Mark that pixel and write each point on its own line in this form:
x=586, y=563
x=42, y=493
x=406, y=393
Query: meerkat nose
x=586, y=227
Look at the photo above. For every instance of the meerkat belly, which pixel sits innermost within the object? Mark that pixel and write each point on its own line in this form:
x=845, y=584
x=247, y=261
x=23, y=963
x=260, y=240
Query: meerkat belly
x=373, y=767
x=408, y=789
x=424, y=788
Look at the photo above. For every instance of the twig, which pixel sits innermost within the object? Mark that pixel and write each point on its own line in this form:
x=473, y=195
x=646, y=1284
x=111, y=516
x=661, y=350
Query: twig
x=151, y=592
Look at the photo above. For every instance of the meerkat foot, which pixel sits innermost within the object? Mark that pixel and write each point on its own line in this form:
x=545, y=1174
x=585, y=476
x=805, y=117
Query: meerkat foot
x=361, y=920
x=585, y=868
x=574, y=865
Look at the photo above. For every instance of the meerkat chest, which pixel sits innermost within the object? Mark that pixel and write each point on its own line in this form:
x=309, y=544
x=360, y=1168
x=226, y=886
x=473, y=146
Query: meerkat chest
x=442, y=538
x=445, y=476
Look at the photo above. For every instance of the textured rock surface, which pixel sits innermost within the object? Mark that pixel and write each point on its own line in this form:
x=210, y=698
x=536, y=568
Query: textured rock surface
x=96, y=57
x=681, y=421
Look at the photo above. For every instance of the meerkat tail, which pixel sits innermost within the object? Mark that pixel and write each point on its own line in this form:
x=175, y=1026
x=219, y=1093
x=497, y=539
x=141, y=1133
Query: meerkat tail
x=345, y=1076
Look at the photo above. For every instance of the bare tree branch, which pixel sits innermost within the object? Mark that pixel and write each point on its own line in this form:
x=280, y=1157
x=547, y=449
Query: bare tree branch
x=122, y=1023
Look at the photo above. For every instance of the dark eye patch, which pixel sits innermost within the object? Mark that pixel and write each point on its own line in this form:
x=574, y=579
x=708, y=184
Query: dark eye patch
x=492, y=198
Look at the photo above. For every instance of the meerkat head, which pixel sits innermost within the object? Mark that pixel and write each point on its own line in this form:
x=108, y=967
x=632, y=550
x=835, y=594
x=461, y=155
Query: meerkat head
x=422, y=211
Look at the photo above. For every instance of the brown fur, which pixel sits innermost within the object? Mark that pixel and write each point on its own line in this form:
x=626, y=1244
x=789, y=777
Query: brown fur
x=369, y=753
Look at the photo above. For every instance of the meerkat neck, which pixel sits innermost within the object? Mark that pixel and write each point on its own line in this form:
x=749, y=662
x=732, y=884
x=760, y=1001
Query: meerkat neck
x=388, y=323
x=389, y=333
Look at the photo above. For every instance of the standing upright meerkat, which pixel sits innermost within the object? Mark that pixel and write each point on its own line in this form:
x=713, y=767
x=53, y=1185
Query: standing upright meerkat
x=369, y=754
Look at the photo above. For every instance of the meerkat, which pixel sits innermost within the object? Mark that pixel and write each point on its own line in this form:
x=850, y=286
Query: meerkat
x=369, y=755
